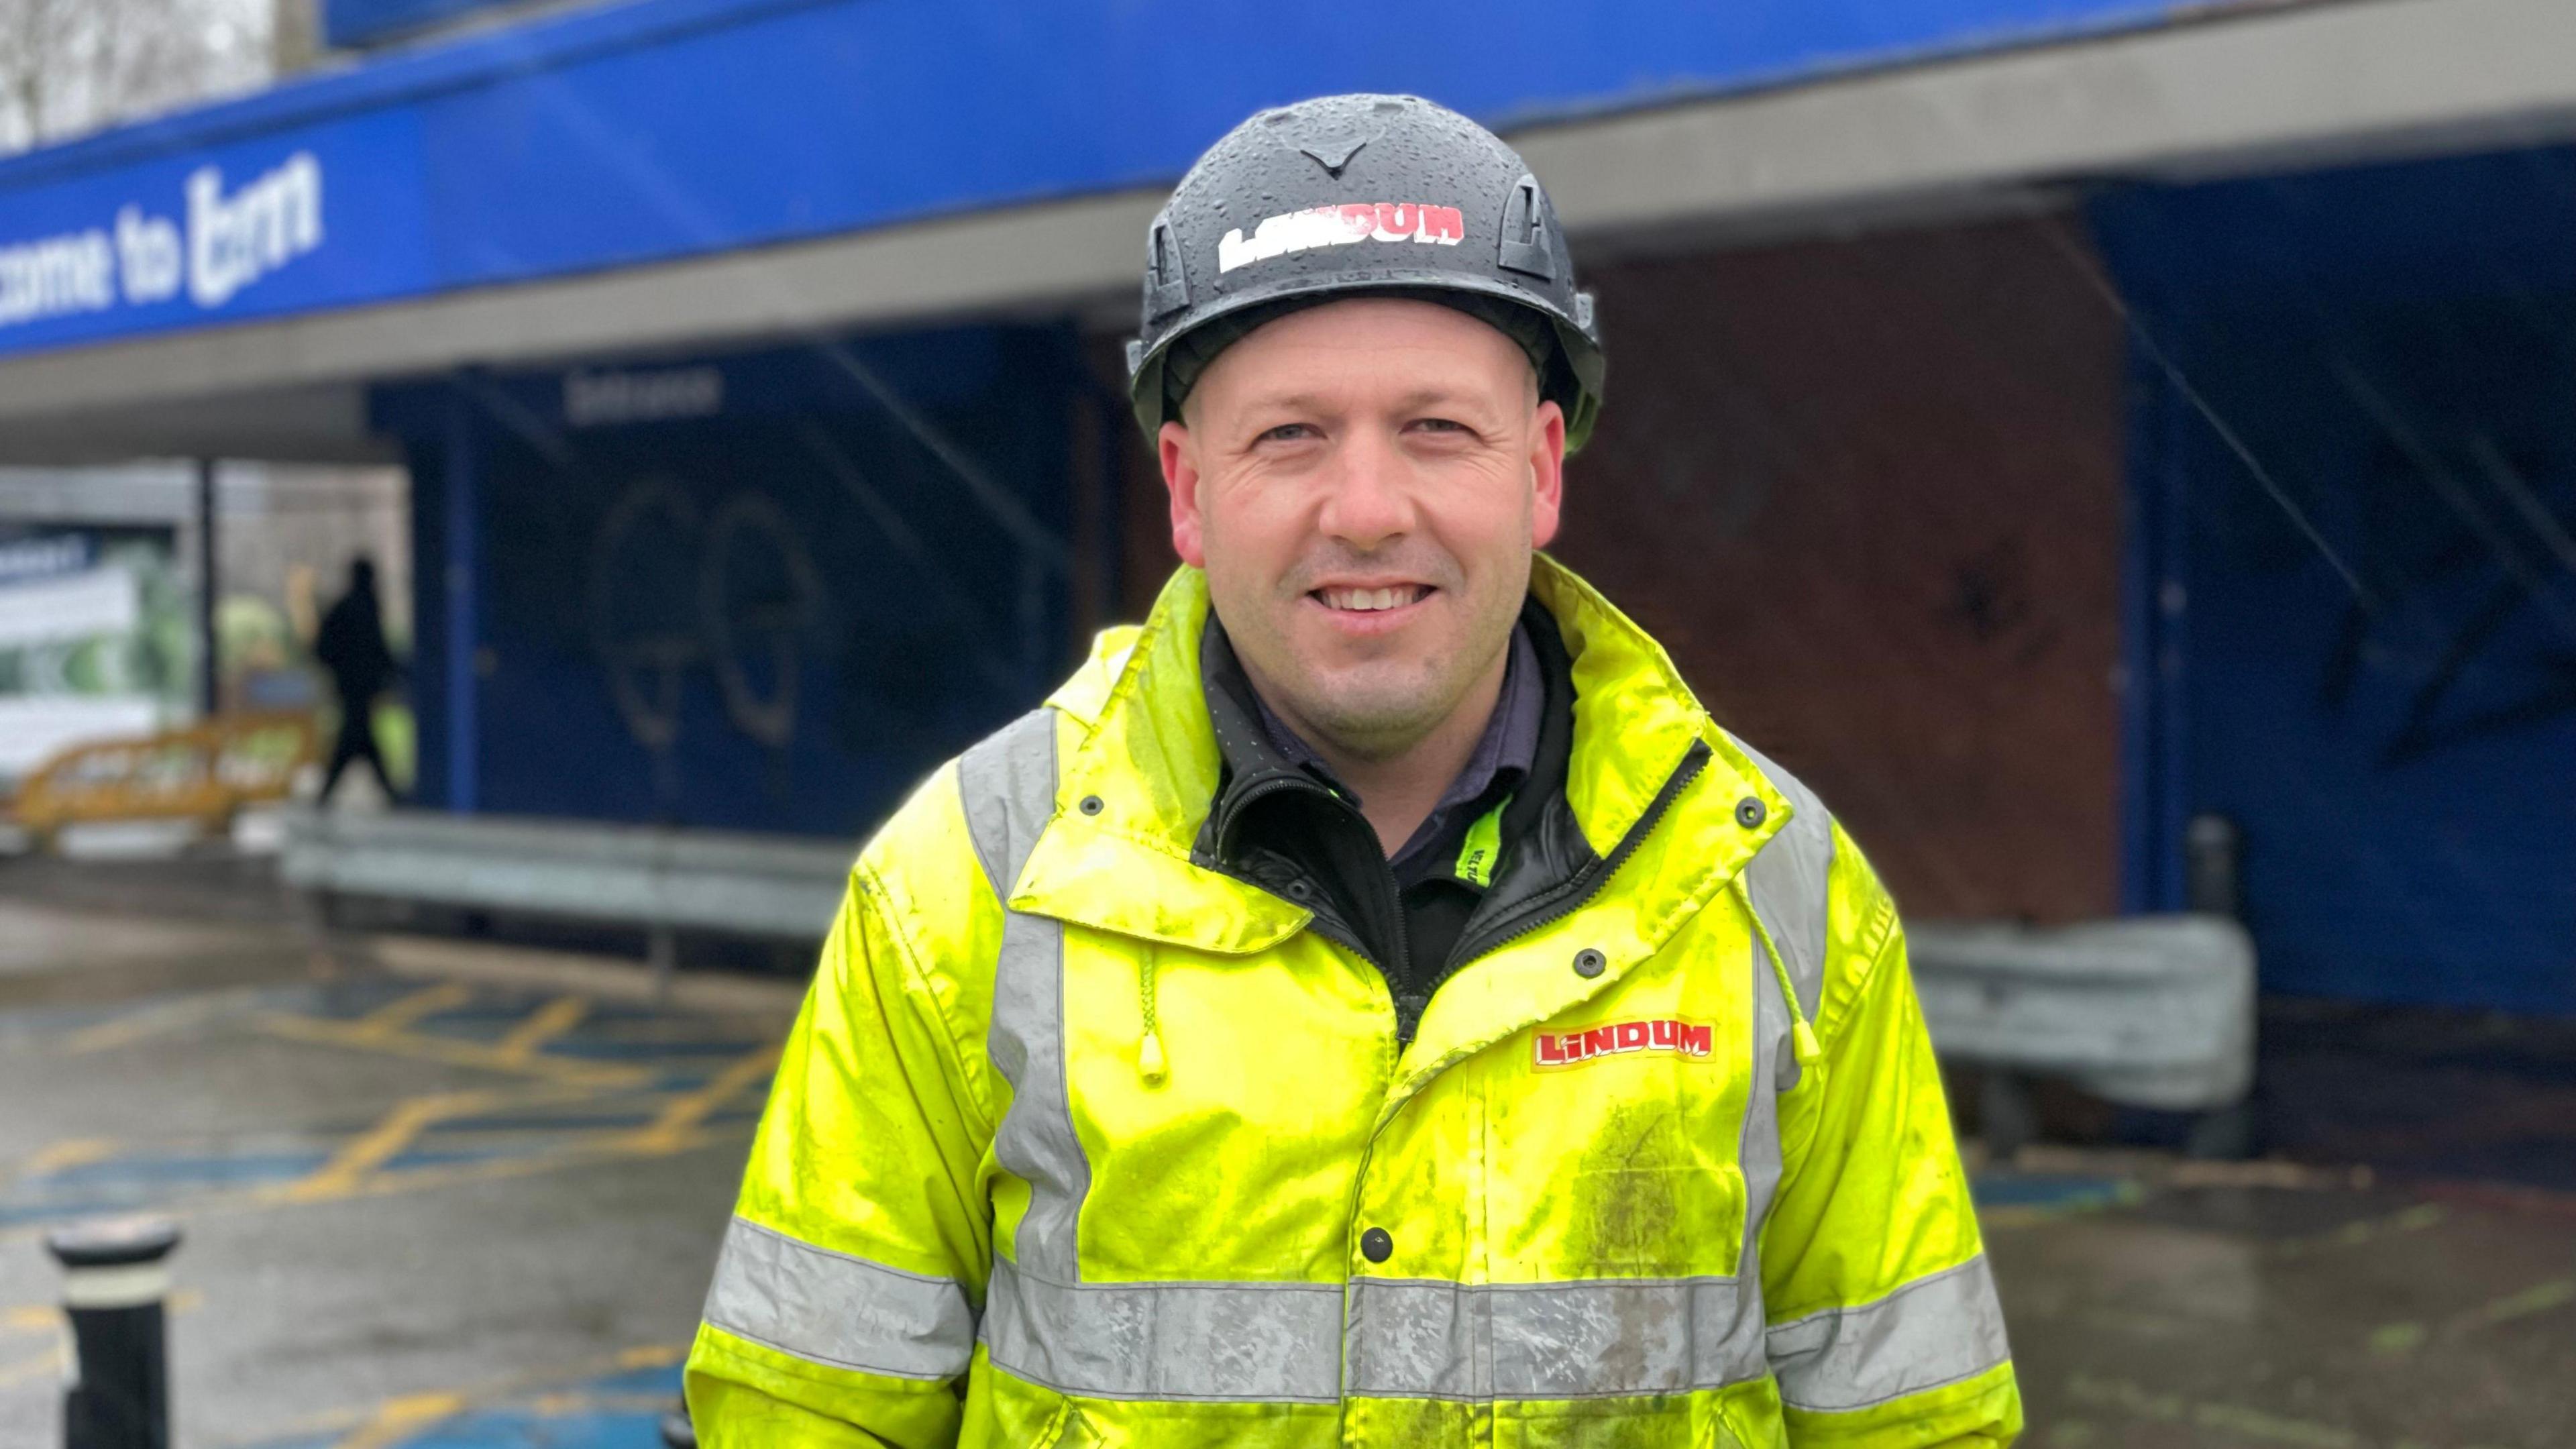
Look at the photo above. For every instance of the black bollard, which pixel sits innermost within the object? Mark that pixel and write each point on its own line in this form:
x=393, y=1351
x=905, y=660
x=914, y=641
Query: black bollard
x=2214, y=867
x=114, y=1280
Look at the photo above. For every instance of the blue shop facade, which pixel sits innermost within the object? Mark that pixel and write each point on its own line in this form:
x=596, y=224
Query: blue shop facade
x=763, y=582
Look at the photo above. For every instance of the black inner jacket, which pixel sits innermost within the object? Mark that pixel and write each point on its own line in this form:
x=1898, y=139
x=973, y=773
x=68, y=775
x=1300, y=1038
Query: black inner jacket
x=1293, y=830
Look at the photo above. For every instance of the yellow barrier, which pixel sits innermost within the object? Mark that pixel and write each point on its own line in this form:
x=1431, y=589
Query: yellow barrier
x=204, y=772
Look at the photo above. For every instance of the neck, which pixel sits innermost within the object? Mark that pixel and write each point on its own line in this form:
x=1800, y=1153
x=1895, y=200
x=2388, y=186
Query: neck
x=1398, y=790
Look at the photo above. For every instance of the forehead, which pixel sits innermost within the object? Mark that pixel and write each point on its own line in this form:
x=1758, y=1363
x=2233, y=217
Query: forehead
x=1367, y=343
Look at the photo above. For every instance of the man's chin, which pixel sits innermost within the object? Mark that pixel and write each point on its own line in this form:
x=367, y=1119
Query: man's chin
x=1371, y=714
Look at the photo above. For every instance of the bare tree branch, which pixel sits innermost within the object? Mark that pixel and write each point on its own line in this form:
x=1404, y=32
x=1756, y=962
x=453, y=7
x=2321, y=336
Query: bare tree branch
x=69, y=66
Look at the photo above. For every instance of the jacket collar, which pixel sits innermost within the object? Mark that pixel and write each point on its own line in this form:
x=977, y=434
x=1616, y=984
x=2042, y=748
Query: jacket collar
x=1148, y=753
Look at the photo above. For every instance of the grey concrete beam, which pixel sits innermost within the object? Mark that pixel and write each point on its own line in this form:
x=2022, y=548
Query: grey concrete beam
x=2260, y=88
x=2269, y=88
x=320, y=423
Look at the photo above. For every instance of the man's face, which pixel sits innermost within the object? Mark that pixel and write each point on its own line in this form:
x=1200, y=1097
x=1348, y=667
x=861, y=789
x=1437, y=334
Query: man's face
x=1364, y=482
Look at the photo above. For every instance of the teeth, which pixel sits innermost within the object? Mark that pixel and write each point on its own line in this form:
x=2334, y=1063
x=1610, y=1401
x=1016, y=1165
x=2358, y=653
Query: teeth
x=1371, y=600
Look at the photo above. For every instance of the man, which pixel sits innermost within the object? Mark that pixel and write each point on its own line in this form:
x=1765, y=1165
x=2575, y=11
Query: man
x=1371, y=1003
x=350, y=646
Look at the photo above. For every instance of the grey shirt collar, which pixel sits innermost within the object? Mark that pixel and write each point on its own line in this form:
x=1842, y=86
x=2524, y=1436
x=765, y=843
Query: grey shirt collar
x=1509, y=743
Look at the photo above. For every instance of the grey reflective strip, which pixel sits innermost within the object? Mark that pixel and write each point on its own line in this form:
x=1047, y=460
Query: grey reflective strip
x=833, y=1308
x=1007, y=785
x=1789, y=881
x=1933, y=1331
x=1265, y=1342
x=1597, y=1339
x=1788, y=884
x=1759, y=1153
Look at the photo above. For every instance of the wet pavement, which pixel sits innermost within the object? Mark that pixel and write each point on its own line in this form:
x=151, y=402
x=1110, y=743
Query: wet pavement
x=473, y=1201
x=416, y=1208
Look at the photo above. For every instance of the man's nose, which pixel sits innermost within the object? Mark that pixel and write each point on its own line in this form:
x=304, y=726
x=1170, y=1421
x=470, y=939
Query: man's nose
x=1368, y=502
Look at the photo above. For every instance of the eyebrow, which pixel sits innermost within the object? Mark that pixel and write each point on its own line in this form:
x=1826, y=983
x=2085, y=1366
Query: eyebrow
x=1307, y=401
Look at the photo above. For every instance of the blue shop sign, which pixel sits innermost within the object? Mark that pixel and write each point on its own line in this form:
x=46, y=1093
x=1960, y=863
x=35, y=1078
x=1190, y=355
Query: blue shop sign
x=325, y=216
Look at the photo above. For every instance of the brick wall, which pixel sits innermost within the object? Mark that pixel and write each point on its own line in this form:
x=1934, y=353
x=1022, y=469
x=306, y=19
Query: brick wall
x=1868, y=494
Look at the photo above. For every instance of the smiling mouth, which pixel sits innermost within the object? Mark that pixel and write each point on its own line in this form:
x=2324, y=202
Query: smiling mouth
x=1371, y=600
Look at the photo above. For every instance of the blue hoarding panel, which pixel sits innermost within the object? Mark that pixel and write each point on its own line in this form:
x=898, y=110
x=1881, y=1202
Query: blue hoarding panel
x=667, y=128
x=2375, y=595
x=741, y=592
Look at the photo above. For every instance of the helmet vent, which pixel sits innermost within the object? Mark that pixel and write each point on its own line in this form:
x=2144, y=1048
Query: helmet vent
x=1524, y=245
x=1167, y=283
x=1334, y=155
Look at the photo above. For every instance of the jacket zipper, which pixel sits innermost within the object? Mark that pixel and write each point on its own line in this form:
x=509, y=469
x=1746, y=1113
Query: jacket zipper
x=1570, y=897
x=1563, y=901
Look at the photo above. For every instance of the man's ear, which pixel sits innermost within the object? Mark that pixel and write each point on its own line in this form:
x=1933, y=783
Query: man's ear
x=1181, y=480
x=1547, y=472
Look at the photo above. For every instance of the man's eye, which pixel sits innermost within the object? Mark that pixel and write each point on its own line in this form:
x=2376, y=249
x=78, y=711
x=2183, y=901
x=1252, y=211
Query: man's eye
x=1439, y=425
x=1287, y=432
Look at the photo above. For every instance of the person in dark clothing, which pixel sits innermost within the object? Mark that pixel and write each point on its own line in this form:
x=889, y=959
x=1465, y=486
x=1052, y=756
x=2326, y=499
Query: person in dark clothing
x=351, y=648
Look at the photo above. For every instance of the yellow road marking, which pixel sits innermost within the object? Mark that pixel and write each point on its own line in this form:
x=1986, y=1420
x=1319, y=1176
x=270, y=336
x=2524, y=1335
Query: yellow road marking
x=142, y=1025
x=396, y=1419
x=380, y=1144
x=2251, y=1423
x=2395, y=1338
x=2400, y=1338
x=2539, y=1298
x=402, y=1015
x=48, y=1317
x=543, y=1025
x=53, y=1361
x=574, y=1154
x=76, y=1152
x=448, y=1051
x=415, y=1409
x=2369, y=1230
x=685, y=1112
x=589, y=1150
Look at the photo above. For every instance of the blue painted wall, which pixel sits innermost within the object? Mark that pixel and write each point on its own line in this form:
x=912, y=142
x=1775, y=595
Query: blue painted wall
x=664, y=128
x=774, y=606
x=2361, y=536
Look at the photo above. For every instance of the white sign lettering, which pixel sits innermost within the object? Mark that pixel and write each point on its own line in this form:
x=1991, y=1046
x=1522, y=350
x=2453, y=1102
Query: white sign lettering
x=591, y=399
x=230, y=240
x=55, y=275
x=234, y=241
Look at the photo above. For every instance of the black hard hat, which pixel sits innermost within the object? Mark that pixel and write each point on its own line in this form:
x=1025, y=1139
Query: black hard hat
x=1343, y=194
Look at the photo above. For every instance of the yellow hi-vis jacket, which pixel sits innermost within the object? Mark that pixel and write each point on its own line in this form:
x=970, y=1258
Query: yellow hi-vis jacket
x=1077, y=1142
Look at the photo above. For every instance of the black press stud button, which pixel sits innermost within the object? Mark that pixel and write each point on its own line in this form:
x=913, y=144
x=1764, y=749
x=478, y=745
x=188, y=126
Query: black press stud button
x=1749, y=812
x=1298, y=890
x=1588, y=963
x=1091, y=805
x=1377, y=1245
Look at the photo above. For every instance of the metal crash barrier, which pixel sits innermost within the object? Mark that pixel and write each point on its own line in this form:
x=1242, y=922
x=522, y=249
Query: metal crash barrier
x=2153, y=1011
x=664, y=880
